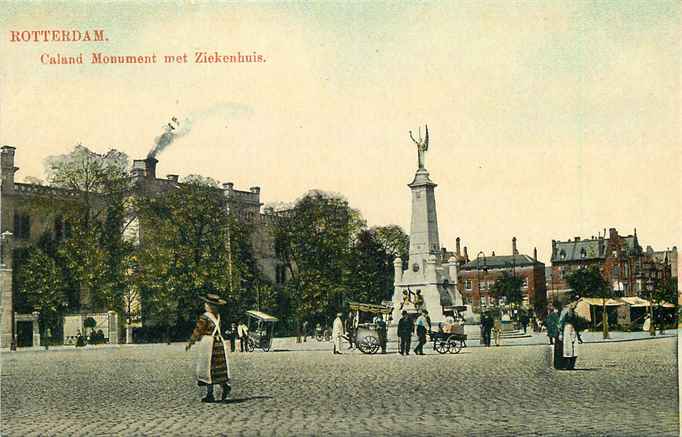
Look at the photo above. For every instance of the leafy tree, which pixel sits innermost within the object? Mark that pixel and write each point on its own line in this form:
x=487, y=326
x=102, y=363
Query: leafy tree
x=90, y=196
x=39, y=283
x=664, y=291
x=508, y=287
x=369, y=276
x=394, y=241
x=316, y=238
x=589, y=282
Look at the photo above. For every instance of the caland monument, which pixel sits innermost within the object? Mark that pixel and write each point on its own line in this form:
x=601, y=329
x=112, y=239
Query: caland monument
x=434, y=277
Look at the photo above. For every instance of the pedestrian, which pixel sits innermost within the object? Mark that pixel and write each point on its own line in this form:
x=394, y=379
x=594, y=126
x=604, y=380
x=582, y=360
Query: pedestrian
x=233, y=337
x=305, y=331
x=552, y=325
x=382, y=330
x=80, y=340
x=212, y=364
x=405, y=328
x=337, y=333
x=497, y=330
x=524, y=322
x=350, y=329
x=421, y=333
x=487, y=328
x=243, y=333
x=568, y=337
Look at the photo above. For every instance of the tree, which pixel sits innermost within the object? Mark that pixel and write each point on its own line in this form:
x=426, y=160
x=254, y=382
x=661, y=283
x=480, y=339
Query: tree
x=664, y=291
x=316, y=238
x=394, y=241
x=90, y=193
x=589, y=282
x=509, y=288
x=39, y=282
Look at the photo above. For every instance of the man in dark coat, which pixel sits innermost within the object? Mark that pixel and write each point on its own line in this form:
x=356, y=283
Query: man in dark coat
x=405, y=329
x=487, y=323
x=381, y=330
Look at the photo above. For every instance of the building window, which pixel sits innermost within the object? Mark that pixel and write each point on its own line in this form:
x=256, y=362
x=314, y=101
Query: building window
x=562, y=254
x=525, y=283
x=22, y=226
x=467, y=284
x=583, y=253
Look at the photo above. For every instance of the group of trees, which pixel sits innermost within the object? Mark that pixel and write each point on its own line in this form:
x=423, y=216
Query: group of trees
x=191, y=244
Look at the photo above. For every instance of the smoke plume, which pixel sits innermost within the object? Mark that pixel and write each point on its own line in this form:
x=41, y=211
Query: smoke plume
x=176, y=128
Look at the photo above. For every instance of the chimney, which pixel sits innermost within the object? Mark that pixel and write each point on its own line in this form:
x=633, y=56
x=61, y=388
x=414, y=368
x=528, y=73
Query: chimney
x=138, y=168
x=457, y=248
x=466, y=255
x=613, y=234
x=150, y=167
x=535, y=254
x=577, y=238
x=514, y=251
x=172, y=177
x=492, y=254
x=7, y=167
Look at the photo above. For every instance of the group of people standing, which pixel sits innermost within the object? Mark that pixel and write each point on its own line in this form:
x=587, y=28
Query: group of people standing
x=406, y=327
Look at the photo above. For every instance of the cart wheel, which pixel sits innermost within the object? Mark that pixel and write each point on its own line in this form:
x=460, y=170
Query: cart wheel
x=454, y=345
x=441, y=346
x=266, y=348
x=369, y=345
x=250, y=345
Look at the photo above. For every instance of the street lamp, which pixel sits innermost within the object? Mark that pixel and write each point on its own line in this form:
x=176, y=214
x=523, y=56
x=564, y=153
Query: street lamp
x=651, y=286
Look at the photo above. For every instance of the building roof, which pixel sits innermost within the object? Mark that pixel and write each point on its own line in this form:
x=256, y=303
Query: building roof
x=591, y=249
x=500, y=262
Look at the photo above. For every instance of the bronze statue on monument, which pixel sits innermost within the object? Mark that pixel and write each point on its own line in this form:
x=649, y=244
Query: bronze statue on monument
x=422, y=146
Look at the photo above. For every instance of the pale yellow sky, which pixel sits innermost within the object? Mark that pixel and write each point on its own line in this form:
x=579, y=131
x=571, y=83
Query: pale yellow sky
x=547, y=120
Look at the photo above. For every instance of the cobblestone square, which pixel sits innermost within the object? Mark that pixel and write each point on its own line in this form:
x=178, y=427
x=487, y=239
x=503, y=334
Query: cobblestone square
x=623, y=388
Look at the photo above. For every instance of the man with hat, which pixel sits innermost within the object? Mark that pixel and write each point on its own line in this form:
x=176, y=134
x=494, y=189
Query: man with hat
x=337, y=334
x=212, y=365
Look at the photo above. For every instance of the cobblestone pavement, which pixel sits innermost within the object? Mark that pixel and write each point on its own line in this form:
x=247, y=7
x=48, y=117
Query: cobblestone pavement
x=627, y=388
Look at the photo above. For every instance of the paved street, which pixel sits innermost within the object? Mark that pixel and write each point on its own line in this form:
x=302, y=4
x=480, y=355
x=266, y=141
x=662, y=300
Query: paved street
x=625, y=388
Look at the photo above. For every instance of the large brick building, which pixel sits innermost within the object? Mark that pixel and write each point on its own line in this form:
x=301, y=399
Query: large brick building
x=620, y=259
x=477, y=276
x=28, y=224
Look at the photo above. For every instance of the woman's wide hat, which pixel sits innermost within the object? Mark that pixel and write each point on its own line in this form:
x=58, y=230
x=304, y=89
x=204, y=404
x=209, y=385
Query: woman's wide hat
x=213, y=299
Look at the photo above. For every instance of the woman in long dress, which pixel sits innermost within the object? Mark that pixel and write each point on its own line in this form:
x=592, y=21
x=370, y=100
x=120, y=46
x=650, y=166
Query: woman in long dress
x=569, y=338
x=212, y=365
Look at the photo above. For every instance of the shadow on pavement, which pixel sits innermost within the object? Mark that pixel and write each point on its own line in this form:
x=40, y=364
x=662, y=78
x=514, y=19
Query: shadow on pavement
x=246, y=399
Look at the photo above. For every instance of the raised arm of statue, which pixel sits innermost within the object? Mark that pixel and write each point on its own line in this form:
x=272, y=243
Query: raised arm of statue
x=422, y=146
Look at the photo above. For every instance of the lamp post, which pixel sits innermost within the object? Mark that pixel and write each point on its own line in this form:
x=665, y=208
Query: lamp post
x=651, y=286
x=480, y=297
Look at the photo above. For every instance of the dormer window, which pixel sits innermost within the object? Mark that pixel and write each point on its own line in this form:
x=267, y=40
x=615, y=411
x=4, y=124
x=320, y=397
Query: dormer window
x=562, y=254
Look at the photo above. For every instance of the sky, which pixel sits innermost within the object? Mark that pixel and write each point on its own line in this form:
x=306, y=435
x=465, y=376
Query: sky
x=547, y=120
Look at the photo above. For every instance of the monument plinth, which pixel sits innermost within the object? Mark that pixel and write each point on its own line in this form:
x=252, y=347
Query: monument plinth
x=435, y=278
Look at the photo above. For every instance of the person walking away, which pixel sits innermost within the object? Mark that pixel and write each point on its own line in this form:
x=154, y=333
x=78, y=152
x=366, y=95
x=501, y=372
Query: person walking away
x=497, y=330
x=382, y=330
x=524, y=322
x=232, y=333
x=350, y=329
x=243, y=333
x=569, y=336
x=305, y=331
x=337, y=333
x=421, y=334
x=405, y=329
x=487, y=328
x=212, y=364
x=552, y=325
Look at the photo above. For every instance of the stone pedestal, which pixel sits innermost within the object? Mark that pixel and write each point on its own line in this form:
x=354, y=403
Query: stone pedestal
x=7, y=308
x=36, y=329
x=113, y=327
x=426, y=271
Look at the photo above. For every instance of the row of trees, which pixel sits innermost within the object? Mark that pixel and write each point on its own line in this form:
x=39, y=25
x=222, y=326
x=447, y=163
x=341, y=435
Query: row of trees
x=190, y=244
